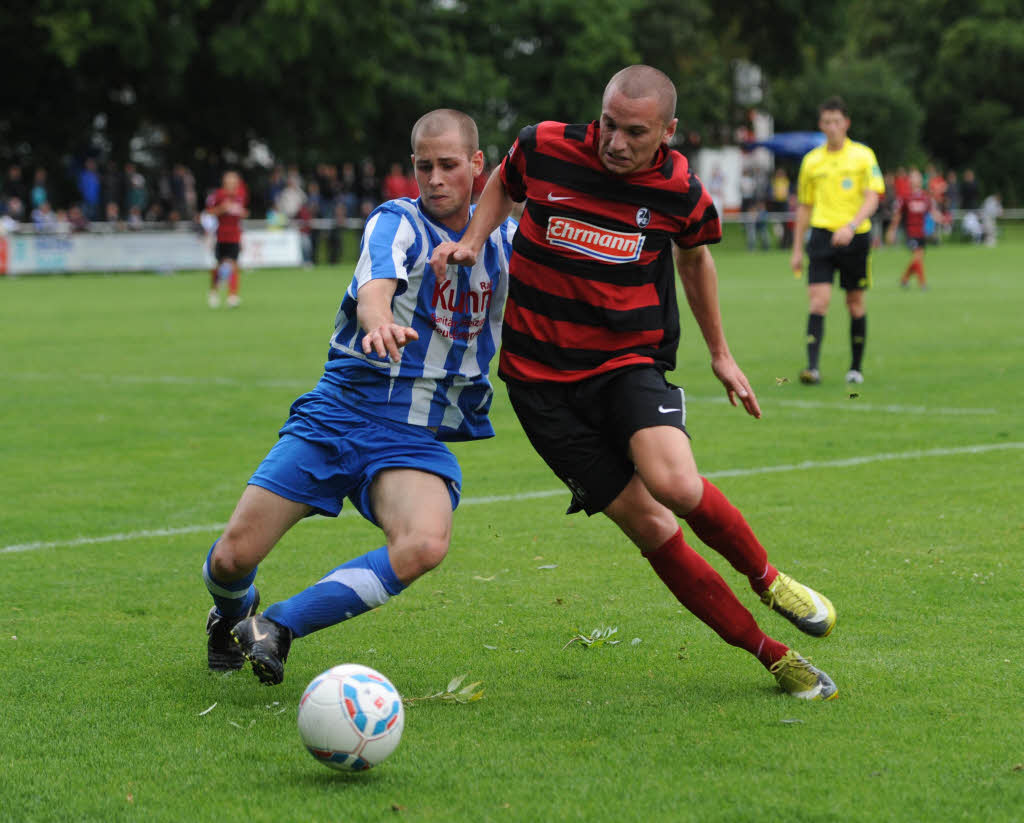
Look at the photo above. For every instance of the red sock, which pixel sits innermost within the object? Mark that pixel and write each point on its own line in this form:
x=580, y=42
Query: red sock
x=233, y=281
x=213, y=279
x=719, y=524
x=703, y=591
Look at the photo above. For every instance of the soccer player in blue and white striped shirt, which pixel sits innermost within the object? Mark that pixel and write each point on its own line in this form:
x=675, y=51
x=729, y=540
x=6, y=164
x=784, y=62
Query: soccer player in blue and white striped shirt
x=407, y=369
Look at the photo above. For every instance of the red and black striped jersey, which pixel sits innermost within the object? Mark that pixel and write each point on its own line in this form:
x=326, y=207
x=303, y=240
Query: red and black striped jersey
x=591, y=279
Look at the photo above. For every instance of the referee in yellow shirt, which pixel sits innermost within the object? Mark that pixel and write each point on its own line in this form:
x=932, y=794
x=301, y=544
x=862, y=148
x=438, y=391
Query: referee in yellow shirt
x=838, y=190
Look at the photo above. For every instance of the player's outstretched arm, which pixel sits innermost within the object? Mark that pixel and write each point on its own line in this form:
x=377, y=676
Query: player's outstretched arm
x=491, y=211
x=383, y=335
x=696, y=269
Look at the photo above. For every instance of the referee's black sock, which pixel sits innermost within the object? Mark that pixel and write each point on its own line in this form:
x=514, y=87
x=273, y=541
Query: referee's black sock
x=815, y=333
x=858, y=337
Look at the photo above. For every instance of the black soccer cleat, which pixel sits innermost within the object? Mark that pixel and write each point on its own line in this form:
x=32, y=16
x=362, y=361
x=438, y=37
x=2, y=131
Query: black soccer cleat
x=222, y=653
x=265, y=644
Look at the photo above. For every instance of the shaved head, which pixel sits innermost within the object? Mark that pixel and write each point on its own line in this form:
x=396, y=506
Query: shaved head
x=440, y=121
x=639, y=81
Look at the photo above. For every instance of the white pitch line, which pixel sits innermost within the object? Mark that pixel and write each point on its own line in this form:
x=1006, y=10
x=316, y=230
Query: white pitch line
x=851, y=404
x=511, y=498
x=855, y=405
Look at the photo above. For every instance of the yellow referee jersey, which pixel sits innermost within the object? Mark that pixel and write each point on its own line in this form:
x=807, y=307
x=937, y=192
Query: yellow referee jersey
x=833, y=183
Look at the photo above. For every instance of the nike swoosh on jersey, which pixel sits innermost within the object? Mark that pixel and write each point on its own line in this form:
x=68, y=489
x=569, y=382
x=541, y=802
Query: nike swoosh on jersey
x=554, y=197
x=663, y=410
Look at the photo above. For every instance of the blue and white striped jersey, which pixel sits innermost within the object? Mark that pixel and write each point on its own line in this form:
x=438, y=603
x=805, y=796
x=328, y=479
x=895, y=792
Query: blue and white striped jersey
x=442, y=379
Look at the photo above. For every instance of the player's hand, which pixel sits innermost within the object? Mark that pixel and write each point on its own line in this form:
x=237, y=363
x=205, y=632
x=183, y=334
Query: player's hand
x=796, y=261
x=449, y=253
x=387, y=339
x=842, y=236
x=737, y=387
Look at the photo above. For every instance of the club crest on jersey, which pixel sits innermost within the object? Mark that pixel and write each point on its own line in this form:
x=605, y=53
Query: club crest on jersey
x=643, y=216
x=595, y=241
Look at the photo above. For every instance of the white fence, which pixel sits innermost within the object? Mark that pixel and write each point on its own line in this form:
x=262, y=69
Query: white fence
x=160, y=251
x=105, y=249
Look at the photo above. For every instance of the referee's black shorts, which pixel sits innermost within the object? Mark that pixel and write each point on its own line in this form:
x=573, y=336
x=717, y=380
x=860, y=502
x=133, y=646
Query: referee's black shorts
x=582, y=430
x=853, y=262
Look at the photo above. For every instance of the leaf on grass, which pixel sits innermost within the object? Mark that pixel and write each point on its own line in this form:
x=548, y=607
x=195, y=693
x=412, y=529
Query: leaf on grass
x=484, y=579
x=781, y=380
x=454, y=694
x=791, y=720
x=636, y=641
x=208, y=710
x=548, y=566
x=598, y=637
x=490, y=648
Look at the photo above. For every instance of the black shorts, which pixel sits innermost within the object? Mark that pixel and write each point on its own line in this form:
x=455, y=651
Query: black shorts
x=853, y=261
x=226, y=251
x=582, y=430
x=915, y=243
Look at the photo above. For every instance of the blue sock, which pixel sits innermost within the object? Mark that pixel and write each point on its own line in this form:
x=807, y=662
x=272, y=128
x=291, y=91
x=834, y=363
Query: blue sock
x=231, y=599
x=349, y=590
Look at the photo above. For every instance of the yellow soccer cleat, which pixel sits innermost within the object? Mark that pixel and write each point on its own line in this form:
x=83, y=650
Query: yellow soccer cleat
x=796, y=676
x=805, y=608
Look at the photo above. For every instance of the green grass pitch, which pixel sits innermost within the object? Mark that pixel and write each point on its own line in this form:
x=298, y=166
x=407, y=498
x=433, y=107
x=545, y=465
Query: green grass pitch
x=132, y=416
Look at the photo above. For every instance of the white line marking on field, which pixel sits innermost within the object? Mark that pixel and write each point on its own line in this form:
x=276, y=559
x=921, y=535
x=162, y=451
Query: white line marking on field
x=511, y=498
x=855, y=405
x=852, y=404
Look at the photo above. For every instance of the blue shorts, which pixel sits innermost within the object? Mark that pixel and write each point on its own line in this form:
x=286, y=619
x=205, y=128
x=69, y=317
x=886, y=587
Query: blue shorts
x=328, y=451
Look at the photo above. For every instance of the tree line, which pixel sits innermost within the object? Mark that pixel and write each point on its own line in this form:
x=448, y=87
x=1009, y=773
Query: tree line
x=314, y=80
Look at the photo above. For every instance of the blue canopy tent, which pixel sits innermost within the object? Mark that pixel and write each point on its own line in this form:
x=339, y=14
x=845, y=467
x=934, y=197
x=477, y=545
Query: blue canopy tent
x=790, y=143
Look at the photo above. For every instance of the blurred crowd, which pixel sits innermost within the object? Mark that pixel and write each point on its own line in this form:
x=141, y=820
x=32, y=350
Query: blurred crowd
x=94, y=196
x=768, y=202
x=321, y=201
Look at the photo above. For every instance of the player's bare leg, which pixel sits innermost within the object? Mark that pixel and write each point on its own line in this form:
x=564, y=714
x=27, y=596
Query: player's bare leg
x=414, y=509
x=665, y=463
x=653, y=528
x=258, y=522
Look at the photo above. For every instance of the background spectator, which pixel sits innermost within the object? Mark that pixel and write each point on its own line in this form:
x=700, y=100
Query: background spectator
x=89, y=189
x=39, y=193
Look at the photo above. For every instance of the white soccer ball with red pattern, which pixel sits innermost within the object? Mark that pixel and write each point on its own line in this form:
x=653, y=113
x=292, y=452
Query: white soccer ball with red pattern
x=351, y=717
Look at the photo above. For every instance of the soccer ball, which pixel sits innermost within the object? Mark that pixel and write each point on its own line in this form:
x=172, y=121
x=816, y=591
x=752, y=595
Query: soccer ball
x=351, y=717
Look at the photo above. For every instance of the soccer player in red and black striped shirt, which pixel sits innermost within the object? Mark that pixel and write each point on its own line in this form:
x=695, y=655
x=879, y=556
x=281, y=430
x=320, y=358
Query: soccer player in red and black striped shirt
x=592, y=325
x=912, y=211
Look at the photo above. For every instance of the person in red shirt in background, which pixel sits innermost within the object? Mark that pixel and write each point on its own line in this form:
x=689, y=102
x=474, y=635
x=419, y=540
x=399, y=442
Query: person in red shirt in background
x=912, y=211
x=229, y=204
x=901, y=182
x=398, y=183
